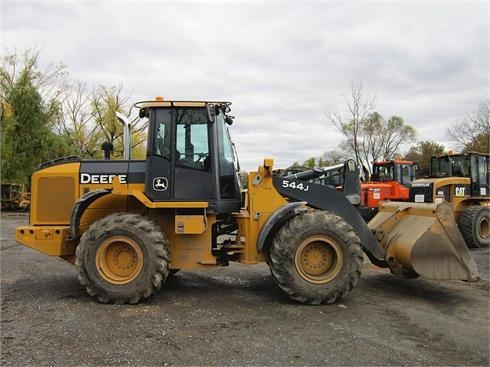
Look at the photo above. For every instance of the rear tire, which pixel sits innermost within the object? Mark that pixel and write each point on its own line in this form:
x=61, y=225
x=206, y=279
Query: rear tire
x=474, y=225
x=122, y=258
x=316, y=257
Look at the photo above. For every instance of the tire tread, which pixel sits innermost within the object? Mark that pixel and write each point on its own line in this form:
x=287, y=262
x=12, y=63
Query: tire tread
x=157, y=242
x=282, y=256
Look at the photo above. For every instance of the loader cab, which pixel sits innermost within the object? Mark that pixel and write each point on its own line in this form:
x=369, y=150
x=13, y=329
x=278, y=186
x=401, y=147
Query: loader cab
x=474, y=166
x=190, y=156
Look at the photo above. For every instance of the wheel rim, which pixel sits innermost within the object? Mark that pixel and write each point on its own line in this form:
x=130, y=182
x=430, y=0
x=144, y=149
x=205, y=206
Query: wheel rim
x=484, y=228
x=318, y=259
x=119, y=260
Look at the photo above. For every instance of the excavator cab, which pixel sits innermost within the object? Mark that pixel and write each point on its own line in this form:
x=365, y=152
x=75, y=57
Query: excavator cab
x=190, y=156
x=395, y=170
x=390, y=181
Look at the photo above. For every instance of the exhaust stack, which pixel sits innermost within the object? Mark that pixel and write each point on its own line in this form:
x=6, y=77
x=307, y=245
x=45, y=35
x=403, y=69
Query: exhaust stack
x=126, y=135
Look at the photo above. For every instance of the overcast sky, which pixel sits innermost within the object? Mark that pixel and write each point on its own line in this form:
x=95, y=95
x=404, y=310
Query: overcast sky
x=282, y=64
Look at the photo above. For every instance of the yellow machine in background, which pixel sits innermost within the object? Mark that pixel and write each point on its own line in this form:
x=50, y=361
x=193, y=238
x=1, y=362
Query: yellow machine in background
x=14, y=197
x=127, y=224
x=464, y=181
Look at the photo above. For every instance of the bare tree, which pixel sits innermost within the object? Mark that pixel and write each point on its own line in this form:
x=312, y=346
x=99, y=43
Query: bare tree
x=77, y=122
x=472, y=132
x=394, y=133
x=372, y=138
x=359, y=106
x=89, y=119
x=369, y=137
x=104, y=103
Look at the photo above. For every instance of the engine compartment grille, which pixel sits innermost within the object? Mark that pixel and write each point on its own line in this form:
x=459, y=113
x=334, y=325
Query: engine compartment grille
x=55, y=198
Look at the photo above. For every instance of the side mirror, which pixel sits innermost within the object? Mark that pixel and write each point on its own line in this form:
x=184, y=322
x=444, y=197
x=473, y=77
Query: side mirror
x=211, y=110
x=144, y=112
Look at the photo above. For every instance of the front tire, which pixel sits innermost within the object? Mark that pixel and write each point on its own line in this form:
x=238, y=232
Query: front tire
x=316, y=257
x=122, y=258
x=474, y=225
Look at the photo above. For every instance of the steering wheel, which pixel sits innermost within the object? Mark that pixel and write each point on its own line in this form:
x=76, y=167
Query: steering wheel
x=201, y=157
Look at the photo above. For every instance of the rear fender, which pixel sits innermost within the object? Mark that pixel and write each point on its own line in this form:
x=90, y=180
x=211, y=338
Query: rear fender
x=79, y=208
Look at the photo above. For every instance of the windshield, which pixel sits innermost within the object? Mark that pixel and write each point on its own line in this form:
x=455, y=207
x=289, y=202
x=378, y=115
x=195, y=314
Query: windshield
x=192, y=146
x=447, y=166
x=382, y=172
x=404, y=173
x=226, y=159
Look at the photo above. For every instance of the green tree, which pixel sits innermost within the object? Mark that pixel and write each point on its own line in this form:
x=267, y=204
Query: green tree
x=310, y=162
x=30, y=95
x=49, y=80
x=104, y=102
x=394, y=133
x=315, y=162
x=421, y=153
x=26, y=135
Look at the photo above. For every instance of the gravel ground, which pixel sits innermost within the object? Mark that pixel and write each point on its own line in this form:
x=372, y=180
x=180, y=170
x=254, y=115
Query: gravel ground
x=236, y=316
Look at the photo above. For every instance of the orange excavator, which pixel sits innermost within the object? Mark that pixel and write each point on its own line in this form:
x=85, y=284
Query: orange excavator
x=390, y=180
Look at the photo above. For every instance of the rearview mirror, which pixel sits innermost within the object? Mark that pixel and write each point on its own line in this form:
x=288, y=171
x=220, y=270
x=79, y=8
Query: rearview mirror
x=211, y=110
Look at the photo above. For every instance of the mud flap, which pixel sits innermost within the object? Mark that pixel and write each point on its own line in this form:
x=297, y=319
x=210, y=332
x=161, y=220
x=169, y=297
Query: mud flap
x=423, y=240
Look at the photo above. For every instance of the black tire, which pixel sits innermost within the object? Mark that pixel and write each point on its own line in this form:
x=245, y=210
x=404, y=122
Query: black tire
x=122, y=258
x=316, y=257
x=474, y=225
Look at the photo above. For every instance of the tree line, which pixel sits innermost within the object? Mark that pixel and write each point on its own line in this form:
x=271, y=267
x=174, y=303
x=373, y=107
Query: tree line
x=369, y=137
x=46, y=115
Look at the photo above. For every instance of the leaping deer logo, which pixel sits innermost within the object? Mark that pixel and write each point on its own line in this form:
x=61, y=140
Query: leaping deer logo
x=160, y=183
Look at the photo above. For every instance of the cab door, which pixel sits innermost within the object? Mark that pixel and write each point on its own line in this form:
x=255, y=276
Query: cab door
x=159, y=155
x=193, y=179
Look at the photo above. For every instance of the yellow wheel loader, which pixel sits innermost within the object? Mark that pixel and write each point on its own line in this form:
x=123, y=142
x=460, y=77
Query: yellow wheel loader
x=464, y=181
x=127, y=224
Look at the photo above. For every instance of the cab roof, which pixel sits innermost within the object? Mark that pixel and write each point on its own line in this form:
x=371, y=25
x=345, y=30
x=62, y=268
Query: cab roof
x=165, y=103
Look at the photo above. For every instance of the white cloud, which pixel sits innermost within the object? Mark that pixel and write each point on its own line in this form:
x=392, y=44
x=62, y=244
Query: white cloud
x=281, y=64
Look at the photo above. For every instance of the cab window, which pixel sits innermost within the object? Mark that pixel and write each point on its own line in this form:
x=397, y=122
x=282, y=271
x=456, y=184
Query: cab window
x=161, y=144
x=192, y=143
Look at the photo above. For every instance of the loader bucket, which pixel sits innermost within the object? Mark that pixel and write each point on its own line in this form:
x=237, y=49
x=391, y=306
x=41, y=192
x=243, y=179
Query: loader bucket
x=423, y=240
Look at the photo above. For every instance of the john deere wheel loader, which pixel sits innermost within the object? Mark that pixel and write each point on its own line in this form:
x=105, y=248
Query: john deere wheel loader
x=464, y=181
x=127, y=224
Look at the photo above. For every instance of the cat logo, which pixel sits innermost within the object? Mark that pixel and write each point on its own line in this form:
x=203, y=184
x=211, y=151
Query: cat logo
x=160, y=184
x=459, y=191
